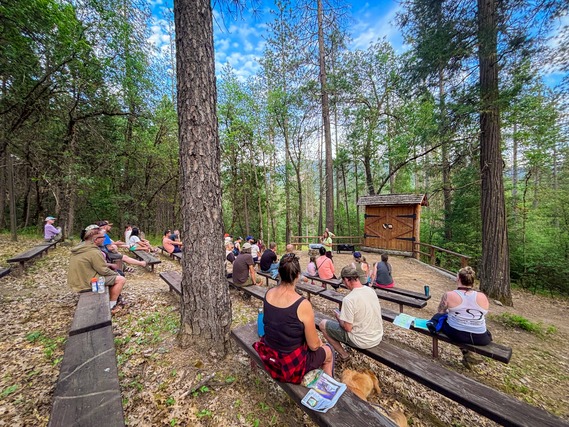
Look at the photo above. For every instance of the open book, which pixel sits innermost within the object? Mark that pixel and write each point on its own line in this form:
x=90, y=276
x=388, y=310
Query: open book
x=324, y=391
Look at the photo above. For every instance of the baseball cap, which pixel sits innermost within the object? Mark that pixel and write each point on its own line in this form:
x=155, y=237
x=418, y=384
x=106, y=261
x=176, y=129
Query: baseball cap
x=357, y=254
x=349, y=272
x=246, y=246
x=50, y=218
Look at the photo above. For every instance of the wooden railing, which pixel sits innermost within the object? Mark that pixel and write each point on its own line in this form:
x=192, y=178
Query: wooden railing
x=443, y=262
x=299, y=241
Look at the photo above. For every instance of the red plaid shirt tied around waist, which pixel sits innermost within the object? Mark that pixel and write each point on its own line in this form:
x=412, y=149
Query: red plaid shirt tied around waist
x=283, y=367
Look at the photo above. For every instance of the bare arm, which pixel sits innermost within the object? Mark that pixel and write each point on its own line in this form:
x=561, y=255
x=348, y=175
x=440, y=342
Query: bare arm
x=252, y=273
x=443, y=305
x=306, y=316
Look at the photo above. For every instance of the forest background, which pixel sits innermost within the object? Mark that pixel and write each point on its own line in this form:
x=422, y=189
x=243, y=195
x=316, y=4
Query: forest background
x=89, y=131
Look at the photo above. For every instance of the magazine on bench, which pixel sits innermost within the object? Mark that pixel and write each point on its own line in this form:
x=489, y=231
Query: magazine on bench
x=324, y=391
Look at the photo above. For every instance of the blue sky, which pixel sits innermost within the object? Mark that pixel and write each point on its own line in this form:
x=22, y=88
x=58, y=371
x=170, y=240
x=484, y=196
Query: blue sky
x=240, y=41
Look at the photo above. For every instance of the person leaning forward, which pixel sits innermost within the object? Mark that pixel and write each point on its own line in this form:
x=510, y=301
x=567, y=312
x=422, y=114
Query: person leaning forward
x=87, y=262
x=359, y=324
x=243, y=267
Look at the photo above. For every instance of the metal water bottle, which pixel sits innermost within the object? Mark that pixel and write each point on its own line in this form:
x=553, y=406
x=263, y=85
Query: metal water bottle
x=260, y=323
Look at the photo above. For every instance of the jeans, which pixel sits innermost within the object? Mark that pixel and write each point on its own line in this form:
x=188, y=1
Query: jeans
x=273, y=269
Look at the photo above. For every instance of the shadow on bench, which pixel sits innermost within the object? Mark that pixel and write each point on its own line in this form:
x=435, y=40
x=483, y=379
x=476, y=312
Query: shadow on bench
x=348, y=411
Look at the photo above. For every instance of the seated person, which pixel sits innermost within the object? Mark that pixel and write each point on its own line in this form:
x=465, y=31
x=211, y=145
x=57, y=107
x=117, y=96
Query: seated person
x=255, y=251
x=243, y=267
x=169, y=245
x=381, y=278
x=138, y=244
x=289, y=250
x=311, y=267
x=324, y=265
x=466, y=310
x=359, y=323
x=362, y=267
x=291, y=346
x=110, y=248
x=269, y=263
x=50, y=233
x=229, y=259
x=86, y=263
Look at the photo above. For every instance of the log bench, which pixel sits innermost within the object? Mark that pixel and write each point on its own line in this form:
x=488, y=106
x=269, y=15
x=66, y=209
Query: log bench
x=151, y=260
x=267, y=276
x=4, y=271
x=493, y=404
x=348, y=411
x=30, y=254
x=88, y=390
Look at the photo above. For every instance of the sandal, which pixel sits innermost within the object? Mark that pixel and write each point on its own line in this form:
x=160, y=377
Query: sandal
x=128, y=270
x=116, y=309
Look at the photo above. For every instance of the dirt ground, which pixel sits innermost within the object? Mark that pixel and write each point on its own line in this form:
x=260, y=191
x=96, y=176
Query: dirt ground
x=163, y=385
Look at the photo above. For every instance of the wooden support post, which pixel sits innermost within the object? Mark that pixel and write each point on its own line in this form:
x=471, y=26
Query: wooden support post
x=435, y=347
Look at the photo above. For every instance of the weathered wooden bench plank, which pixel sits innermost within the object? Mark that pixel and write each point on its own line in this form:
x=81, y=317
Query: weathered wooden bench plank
x=88, y=391
x=309, y=288
x=174, y=280
x=30, y=254
x=151, y=260
x=407, y=293
x=335, y=283
x=348, y=411
x=402, y=300
x=92, y=312
x=493, y=404
x=4, y=271
x=267, y=276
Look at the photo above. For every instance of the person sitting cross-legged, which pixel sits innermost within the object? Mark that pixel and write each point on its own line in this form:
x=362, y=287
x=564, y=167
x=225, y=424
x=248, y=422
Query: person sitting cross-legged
x=138, y=244
x=359, y=323
x=87, y=263
x=50, y=232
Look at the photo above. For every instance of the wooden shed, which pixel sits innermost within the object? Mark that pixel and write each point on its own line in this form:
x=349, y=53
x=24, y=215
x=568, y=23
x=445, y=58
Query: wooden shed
x=392, y=221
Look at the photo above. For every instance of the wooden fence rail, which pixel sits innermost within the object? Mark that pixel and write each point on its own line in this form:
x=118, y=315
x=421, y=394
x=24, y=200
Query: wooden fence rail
x=299, y=241
x=433, y=253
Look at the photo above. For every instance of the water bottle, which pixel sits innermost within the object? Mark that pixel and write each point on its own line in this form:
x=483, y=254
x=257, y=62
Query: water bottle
x=101, y=285
x=427, y=290
x=260, y=323
x=94, y=284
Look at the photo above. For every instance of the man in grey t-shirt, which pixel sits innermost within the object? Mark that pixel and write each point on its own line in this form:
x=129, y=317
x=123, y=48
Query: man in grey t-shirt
x=359, y=324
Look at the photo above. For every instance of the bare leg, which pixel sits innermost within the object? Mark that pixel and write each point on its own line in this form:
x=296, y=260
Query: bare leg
x=328, y=365
x=115, y=290
x=336, y=344
x=133, y=261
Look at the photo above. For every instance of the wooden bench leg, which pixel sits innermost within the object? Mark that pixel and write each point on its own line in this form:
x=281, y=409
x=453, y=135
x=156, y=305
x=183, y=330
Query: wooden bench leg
x=400, y=308
x=435, y=347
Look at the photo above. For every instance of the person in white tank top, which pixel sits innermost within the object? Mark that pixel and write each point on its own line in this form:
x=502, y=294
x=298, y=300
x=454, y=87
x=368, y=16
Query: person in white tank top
x=466, y=310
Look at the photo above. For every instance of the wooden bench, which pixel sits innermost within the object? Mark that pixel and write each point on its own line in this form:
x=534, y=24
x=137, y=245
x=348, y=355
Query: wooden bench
x=493, y=350
x=4, y=271
x=267, y=276
x=151, y=260
x=407, y=293
x=495, y=405
x=174, y=281
x=348, y=411
x=173, y=255
x=88, y=389
x=30, y=254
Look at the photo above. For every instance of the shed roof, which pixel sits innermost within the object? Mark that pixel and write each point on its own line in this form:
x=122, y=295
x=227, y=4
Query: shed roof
x=394, y=199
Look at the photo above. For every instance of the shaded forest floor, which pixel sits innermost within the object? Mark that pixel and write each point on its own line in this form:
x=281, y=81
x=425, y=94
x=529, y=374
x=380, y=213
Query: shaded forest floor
x=157, y=377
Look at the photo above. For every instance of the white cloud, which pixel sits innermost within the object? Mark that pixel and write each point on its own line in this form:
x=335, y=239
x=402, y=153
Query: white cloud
x=369, y=29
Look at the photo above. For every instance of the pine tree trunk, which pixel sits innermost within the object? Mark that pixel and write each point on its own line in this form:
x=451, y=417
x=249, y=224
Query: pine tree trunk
x=206, y=306
x=495, y=266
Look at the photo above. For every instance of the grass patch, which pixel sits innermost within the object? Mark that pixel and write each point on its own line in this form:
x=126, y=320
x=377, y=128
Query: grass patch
x=520, y=322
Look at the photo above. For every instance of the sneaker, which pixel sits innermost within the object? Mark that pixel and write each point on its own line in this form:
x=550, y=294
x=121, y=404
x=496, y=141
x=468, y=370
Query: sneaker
x=431, y=327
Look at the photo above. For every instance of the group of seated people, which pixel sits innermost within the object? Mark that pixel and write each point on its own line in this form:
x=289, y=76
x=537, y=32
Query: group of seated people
x=171, y=241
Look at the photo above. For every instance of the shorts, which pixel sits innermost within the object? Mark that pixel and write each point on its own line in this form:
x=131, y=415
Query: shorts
x=315, y=359
x=377, y=285
x=335, y=331
x=110, y=280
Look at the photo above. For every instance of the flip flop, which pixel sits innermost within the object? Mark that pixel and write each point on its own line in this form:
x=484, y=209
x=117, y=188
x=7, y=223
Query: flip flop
x=333, y=358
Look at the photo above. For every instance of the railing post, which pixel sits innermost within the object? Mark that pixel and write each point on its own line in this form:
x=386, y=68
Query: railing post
x=432, y=255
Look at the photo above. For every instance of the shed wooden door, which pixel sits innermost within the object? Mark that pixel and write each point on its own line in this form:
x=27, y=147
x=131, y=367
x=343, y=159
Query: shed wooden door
x=390, y=227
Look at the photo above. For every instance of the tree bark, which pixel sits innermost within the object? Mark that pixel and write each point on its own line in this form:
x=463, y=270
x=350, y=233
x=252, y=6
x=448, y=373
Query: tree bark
x=495, y=266
x=206, y=306
x=326, y=121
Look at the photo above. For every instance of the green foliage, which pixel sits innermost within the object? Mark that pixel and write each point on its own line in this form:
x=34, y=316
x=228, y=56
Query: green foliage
x=520, y=322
